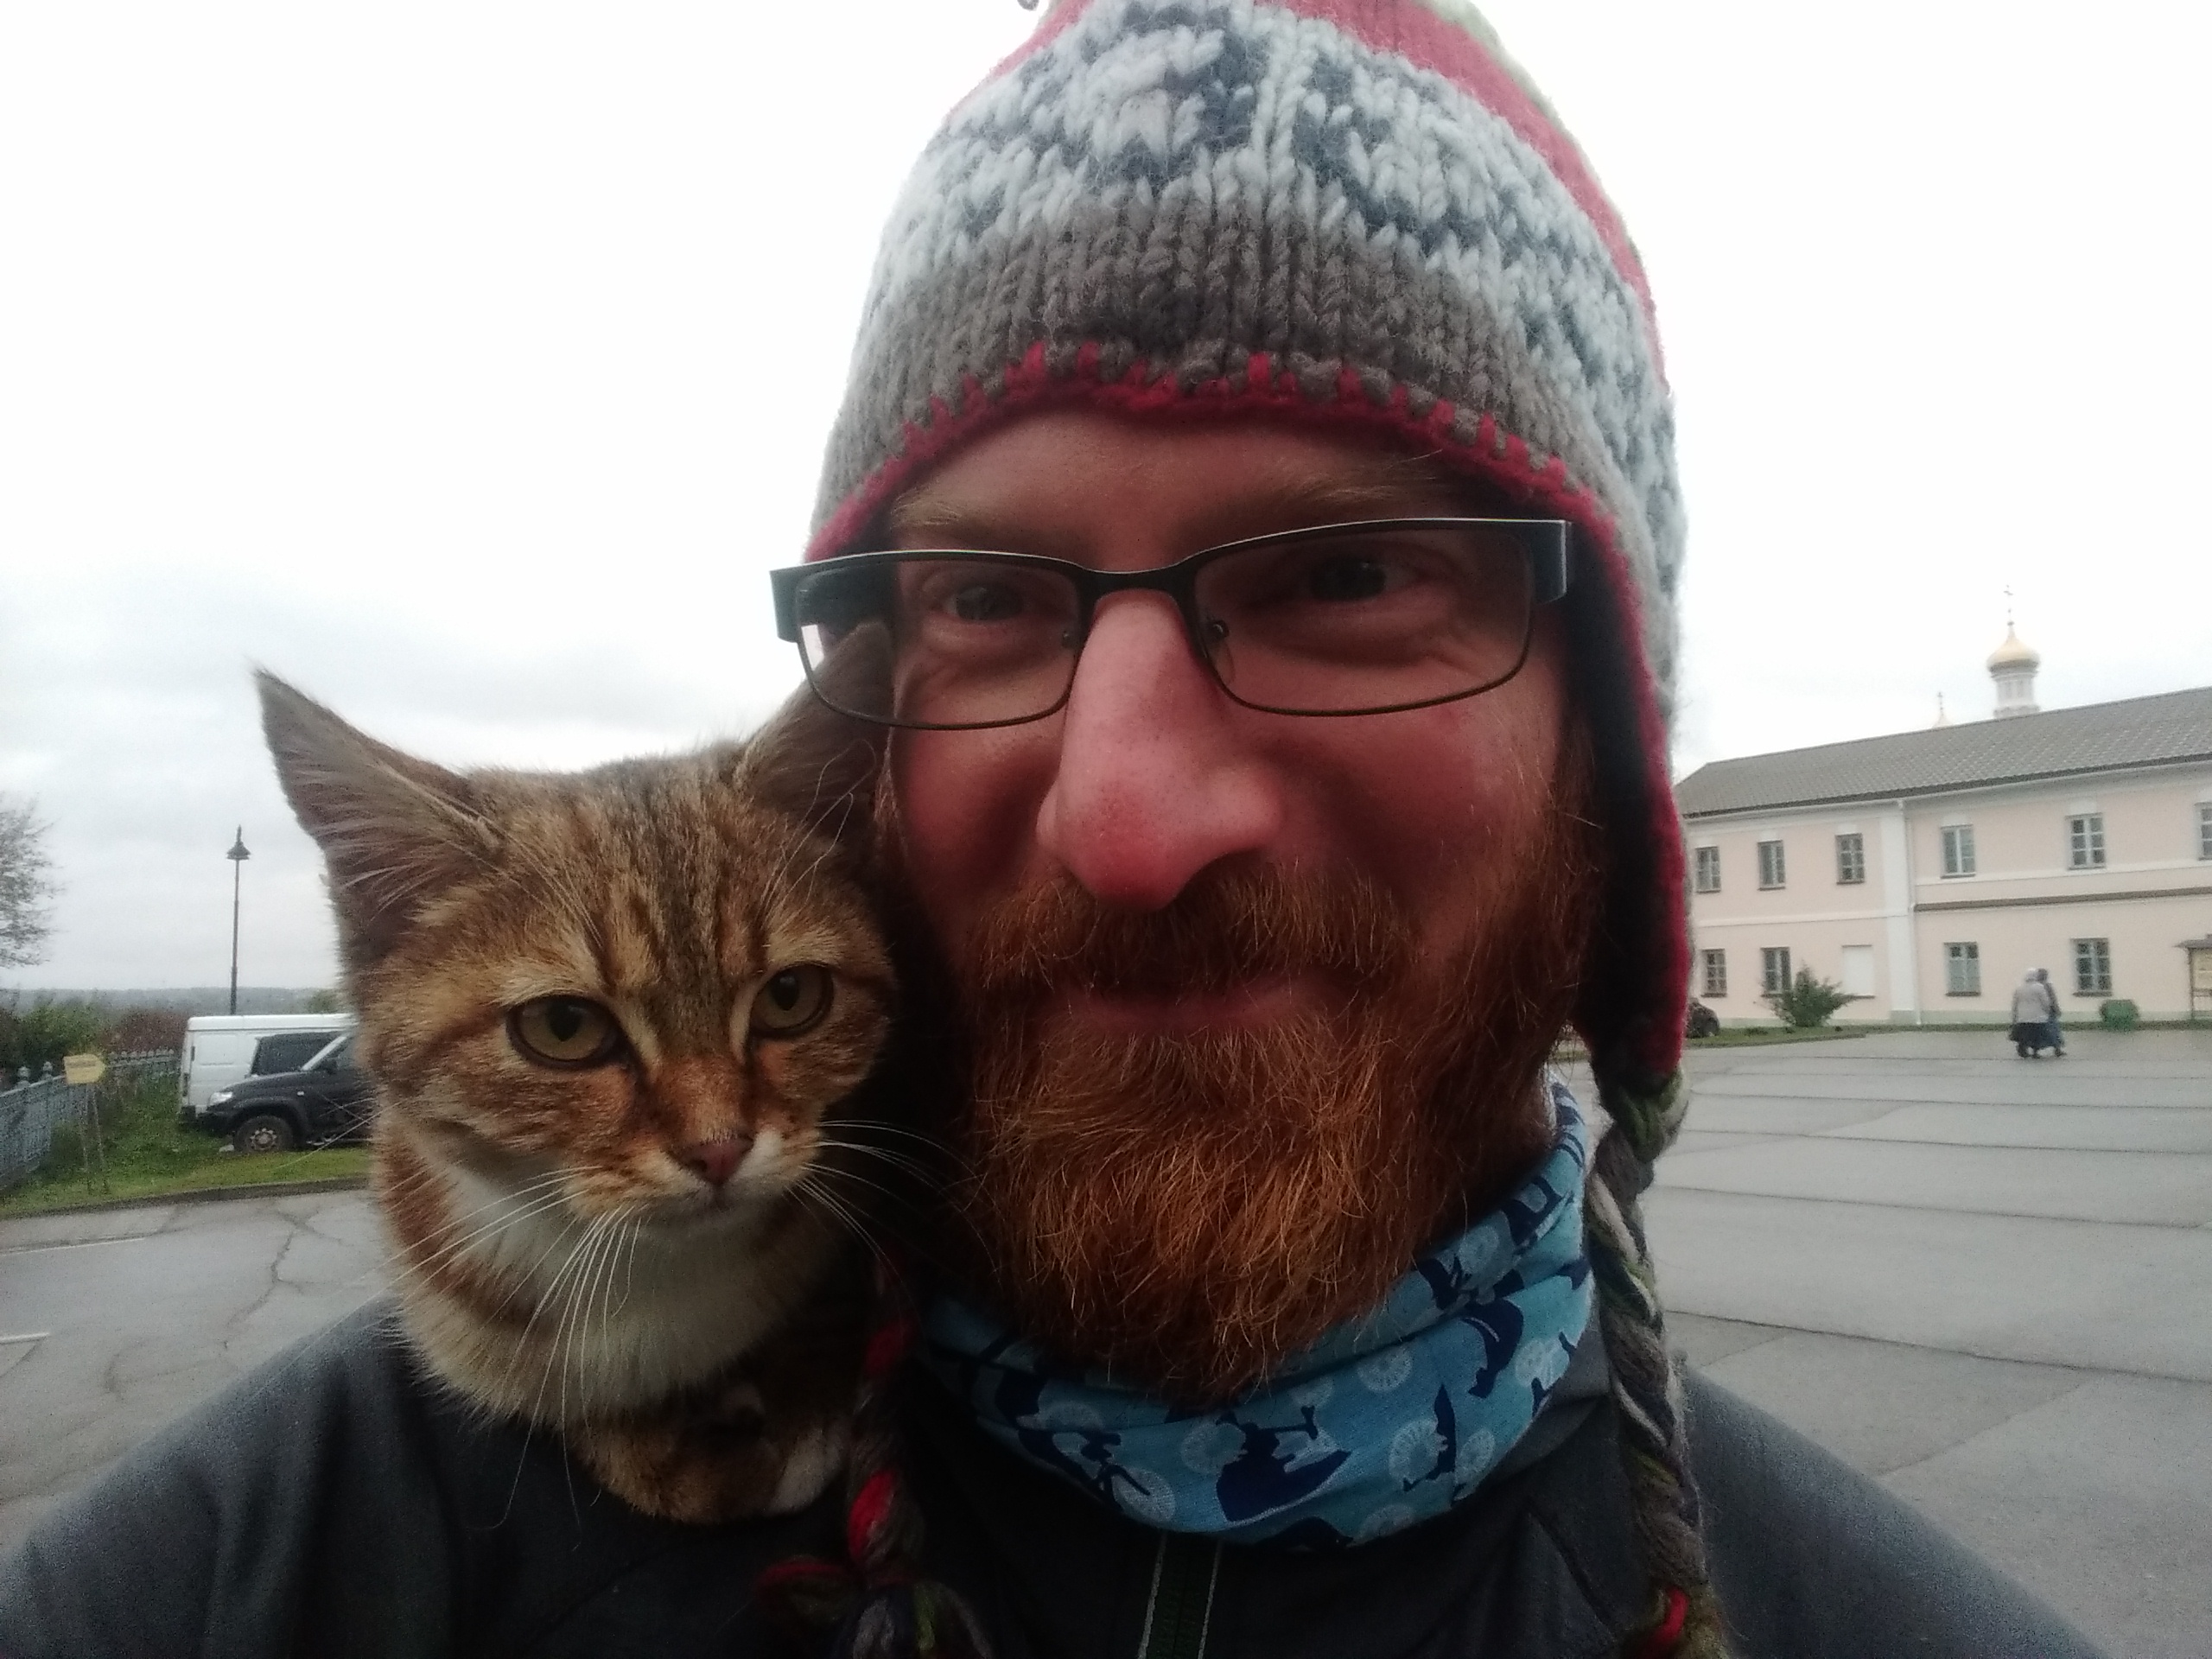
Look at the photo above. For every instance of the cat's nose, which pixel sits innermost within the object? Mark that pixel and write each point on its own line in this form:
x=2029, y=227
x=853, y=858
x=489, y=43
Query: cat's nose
x=715, y=1162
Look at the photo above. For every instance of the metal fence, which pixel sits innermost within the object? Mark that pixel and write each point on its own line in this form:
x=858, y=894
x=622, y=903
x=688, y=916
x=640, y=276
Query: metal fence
x=30, y=1112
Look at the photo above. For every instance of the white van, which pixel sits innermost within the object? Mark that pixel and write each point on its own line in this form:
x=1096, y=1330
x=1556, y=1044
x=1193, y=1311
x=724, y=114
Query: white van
x=222, y=1049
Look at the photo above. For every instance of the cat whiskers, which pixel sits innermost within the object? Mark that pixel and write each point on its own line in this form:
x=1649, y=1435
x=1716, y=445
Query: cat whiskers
x=527, y=1190
x=619, y=1247
x=575, y=1350
x=916, y=1174
x=584, y=1285
x=868, y=1128
x=623, y=1251
x=535, y=1198
x=491, y=1231
x=528, y=1279
x=807, y=1190
x=586, y=1250
x=896, y=1195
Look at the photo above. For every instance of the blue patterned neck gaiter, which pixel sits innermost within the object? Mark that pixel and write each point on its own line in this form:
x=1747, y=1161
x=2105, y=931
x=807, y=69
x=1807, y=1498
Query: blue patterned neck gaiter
x=1385, y=1422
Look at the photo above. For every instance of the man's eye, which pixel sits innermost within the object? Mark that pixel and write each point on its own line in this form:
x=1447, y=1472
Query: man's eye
x=984, y=601
x=1348, y=576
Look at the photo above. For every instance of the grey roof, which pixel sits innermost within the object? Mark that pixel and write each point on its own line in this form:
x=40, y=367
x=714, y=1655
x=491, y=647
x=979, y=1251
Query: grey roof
x=2139, y=731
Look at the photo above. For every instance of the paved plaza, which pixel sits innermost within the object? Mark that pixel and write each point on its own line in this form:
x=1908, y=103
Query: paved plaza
x=1984, y=1280
x=1987, y=1281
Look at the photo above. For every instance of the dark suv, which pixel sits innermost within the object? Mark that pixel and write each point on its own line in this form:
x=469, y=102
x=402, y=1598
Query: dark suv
x=326, y=1100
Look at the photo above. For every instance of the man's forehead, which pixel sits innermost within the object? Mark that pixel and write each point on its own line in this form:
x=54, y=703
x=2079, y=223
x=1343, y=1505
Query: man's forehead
x=1212, y=484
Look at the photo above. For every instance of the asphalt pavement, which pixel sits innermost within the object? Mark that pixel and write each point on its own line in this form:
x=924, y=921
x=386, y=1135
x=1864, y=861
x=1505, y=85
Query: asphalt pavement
x=1985, y=1282
x=113, y=1321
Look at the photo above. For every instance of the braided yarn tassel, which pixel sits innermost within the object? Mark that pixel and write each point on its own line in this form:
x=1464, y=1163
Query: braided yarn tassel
x=877, y=1601
x=1685, y=1621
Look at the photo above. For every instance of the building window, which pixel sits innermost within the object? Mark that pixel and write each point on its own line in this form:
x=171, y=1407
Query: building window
x=1859, y=970
x=2085, y=841
x=1774, y=972
x=1708, y=869
x=2204, y=828
x=1716, y=972
x=1771, y=866
x=1962, y=971
x=1850, y=859
x=2093, y=967
x=1957, y=849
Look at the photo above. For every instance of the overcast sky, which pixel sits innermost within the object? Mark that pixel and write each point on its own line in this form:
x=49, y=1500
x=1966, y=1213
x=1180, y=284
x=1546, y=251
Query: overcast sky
x=468, y=364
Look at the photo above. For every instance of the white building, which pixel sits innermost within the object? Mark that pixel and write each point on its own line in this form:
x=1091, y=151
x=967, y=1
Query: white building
x=1926, y=872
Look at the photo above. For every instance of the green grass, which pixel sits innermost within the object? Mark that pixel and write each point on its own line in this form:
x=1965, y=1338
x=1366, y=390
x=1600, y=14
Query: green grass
x=147, y=1155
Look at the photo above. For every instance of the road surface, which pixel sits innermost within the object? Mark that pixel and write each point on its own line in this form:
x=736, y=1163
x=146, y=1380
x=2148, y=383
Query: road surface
x=1985, y=1282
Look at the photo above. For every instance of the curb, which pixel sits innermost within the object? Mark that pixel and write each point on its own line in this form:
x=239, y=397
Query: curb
x=200, y=1195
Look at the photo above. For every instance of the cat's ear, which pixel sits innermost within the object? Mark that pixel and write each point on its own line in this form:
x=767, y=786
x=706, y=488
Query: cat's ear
x=394, y=830
x=815, y=763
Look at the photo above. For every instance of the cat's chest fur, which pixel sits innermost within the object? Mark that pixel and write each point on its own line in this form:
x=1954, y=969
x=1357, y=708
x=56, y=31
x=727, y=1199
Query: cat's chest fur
x=564, y=1320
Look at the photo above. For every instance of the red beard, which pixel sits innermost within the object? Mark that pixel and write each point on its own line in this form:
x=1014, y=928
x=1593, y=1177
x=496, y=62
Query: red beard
x=1188, y=1210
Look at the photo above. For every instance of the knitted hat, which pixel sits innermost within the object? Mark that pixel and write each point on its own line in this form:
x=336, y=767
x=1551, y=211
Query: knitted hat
x=1358, y=214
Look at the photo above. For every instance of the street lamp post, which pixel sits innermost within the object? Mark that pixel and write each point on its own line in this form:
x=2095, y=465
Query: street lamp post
x=238, y=855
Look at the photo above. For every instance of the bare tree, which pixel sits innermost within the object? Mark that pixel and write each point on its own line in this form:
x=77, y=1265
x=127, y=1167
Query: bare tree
x=26, y=885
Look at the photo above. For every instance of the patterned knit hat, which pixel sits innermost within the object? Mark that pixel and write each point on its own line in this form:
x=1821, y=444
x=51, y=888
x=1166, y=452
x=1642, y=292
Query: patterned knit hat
x=1357, y=214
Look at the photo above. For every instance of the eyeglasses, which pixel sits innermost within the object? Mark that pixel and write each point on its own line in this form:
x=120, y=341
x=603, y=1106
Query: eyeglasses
x=1358, y=619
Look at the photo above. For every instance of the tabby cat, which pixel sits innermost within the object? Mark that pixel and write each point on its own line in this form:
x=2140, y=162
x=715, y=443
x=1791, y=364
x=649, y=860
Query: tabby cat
x=613, y=1017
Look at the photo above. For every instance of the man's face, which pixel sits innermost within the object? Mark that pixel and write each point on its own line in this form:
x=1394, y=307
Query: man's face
x=1255, y=999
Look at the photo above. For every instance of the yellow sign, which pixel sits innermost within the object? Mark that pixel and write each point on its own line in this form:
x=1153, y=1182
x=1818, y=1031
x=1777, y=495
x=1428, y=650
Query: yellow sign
x=83, y=1068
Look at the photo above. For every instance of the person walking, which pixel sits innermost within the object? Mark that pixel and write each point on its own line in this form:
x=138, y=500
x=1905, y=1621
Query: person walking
x=2035, y=1016
x=2055, y=1039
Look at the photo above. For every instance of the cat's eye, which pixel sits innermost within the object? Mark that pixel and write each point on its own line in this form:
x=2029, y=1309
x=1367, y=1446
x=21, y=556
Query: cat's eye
x=568, y=1031
x=793, y=1001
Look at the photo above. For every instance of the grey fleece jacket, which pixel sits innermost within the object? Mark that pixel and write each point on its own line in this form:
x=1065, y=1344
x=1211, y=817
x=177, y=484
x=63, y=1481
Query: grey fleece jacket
x=336, y=1503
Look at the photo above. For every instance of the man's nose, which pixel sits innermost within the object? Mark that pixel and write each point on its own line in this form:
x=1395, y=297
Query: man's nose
x=1154, y=783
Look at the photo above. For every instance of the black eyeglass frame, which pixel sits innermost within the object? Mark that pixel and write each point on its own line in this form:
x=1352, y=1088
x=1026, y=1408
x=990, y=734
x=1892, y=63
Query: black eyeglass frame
x=1548, y=543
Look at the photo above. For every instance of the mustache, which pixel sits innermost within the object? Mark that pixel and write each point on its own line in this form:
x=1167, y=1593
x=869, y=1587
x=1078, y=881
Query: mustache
x=1230, y=925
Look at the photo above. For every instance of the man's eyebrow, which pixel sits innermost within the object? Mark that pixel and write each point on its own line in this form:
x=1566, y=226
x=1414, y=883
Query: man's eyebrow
x=1379, y=489
x=1375, y=492
x=920, y=517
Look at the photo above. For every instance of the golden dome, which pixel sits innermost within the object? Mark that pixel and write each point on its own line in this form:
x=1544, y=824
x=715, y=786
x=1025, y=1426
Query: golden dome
x=2012, y=654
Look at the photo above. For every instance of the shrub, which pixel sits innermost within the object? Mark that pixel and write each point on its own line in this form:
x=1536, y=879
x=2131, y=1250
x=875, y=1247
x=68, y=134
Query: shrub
x=1807, y=1002
x=41, y=1034
x=2119, y=1015
x=145, y=1031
